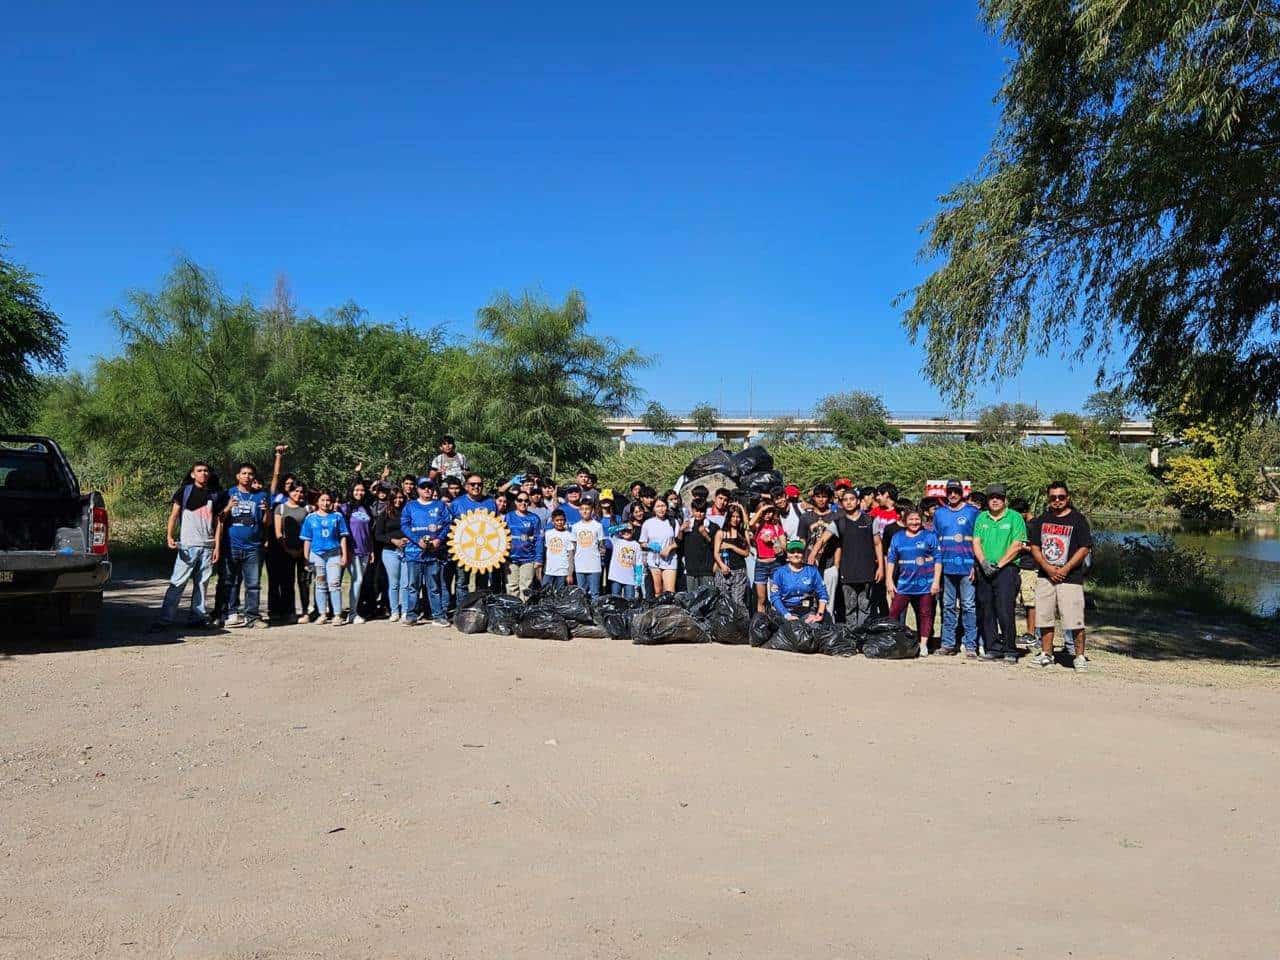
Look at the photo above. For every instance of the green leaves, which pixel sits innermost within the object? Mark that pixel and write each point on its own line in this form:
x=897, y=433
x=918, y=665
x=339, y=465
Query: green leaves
x=857, y=419
x=31, y=335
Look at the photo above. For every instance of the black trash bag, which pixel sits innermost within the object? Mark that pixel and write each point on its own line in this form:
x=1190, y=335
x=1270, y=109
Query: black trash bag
x=796, y=636
x=617, y=624
x=589, y=631
x=473, y=619
x=763, y=627
x=667, y=624
x=667, y=599
x=728, y=622
x=539, y=623
x=611, y=603
x=762, y=481
x=700, y=604
x=886, y=639
x=753, y=460
x=718, y=460
x=571, y=602
x=840, y=642
x=476, y=599
x=504, y=613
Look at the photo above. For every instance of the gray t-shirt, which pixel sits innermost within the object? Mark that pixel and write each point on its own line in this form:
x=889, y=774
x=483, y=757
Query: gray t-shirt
x=196, y=507
x=292, y=518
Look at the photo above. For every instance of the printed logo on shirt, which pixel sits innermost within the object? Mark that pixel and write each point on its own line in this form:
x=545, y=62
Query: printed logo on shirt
x=628, y=555
x=1055, y=542
x=555, y=545
x=586, y=538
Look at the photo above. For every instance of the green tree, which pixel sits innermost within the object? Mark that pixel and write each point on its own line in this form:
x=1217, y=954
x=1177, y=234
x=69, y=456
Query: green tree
x=1006, y=422
x=857, y=419
x=1131, y=197
x=704, y=417
x=658, y=420
x=31, y=336
x=538, y=384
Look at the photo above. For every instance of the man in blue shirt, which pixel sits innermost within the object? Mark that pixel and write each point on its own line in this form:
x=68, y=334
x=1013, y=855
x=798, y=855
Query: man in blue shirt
x=473, y=498
x=243, y=513
x=425, y=522
x=797, y=587
x=953, y=523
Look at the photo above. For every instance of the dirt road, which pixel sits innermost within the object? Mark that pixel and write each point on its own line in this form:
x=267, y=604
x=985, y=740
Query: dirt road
x=377, y=792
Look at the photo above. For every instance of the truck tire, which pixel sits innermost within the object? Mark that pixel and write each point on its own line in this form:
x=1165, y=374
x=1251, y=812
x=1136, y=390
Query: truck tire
x=78, y=614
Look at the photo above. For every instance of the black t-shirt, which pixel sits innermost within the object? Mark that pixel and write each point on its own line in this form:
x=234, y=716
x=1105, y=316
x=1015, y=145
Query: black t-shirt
x=696, y=550
x=886, y=538
x=731, y=559
x=857, y=548
x=1060, y=537
x=1025, y=560
x=812, y=526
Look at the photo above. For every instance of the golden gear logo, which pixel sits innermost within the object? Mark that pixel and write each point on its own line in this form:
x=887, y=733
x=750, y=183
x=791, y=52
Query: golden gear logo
x=479, y=541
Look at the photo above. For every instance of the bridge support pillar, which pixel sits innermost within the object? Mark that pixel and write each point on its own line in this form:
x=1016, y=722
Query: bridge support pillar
x=1153, y=457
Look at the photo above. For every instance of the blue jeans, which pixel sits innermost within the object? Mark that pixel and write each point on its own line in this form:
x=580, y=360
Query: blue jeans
x=358, y=566
x=549, y=581
x=194, y=564
x=243, y=566
x=958, y=585
x=394, y=563
x=627, y=590
x=428, y=574
x=590, y=582
x=328, y=572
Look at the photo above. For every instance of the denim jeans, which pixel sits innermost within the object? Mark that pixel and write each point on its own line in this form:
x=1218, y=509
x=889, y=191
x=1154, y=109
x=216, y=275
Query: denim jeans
x=328, y=573
x=550, y=581
x=428, y=575
x=958, y=588
x=627, y=590
x=243, y=566
x=394, y=563
x=358, y=567
x=194, y=564
x=589, y=582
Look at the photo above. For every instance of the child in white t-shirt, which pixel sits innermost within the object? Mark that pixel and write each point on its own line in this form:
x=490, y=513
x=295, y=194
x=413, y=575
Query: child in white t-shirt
x=626, y=566
x=588, y=551
x=558, y=567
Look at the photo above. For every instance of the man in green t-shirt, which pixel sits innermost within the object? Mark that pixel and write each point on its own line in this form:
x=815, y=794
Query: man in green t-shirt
x=998, y=536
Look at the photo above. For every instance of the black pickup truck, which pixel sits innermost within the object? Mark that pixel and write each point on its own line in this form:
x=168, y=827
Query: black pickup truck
x=54, y=540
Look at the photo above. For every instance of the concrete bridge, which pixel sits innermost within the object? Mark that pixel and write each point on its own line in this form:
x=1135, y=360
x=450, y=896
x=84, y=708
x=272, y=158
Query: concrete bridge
x=746, y=429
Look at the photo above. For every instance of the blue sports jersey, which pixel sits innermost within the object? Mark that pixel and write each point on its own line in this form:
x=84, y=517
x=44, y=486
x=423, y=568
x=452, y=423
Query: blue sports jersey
x=244, y=525
x=792, y=588
x=914, y=559
x=430, y=520
x=955, y=537
x=325, y=531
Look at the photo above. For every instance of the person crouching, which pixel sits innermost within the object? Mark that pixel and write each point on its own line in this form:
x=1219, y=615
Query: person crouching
x=797, y=589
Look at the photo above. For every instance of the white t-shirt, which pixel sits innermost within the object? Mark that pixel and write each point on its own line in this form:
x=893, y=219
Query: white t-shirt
x=559, y=552
x=622, y=565
x=454, y=466
x=588, y=535
x=661, y=532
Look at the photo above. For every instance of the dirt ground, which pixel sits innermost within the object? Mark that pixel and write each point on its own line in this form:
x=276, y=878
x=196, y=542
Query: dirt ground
x=380, y=792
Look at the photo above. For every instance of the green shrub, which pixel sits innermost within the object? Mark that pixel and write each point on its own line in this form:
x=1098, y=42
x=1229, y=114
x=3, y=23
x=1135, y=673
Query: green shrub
x=1157, y=568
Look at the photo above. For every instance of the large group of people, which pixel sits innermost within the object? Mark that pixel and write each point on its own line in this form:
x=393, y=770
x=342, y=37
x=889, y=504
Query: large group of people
x=845, y=551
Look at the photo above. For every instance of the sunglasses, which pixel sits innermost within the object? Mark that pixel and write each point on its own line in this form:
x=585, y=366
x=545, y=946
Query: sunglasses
x=522, y=499
x=475, y=484
x=1057, y=496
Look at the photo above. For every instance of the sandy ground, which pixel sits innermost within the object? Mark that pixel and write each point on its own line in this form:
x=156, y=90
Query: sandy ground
x=380, y=792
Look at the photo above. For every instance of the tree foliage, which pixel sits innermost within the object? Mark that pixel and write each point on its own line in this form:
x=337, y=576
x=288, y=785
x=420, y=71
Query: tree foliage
x=1130, y=203
x=1006, y=422
x=704, y=417
x=658, y=420
x=31, y=336
x=857, y=419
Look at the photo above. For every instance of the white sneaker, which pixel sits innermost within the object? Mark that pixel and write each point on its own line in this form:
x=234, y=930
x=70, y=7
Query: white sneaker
x=1081, y=663
x=394, y=617
x=358, y=619
x=235, y=620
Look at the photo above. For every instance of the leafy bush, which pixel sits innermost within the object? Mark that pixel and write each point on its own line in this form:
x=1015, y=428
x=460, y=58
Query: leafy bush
x=1156, y=567
x=1100, y=480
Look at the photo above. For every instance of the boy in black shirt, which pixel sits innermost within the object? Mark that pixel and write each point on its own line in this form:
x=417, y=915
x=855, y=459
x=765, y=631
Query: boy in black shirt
x=696, y=536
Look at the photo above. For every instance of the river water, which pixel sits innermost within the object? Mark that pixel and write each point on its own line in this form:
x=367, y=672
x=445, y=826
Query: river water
x=1248, y=553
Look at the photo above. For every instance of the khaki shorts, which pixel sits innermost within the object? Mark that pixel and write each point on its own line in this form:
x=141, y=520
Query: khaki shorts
x=1027, y=588
x=1059, y=601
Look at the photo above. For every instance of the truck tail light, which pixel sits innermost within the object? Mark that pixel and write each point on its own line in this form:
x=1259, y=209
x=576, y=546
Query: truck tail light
x=99, y=532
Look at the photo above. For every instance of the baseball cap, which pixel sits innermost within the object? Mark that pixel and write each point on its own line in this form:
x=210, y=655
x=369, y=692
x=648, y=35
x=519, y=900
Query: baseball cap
x=795, y=545
x=843, y=483
x=955, y=484
x=607, y=494
x=426, y=482
x=997, y=490
x=792, y=490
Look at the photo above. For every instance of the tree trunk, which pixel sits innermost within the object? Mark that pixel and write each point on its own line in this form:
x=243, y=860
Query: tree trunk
x=553, y=459
x=1269, y=482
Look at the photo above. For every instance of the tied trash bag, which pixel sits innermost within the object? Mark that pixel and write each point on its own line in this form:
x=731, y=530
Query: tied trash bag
x=840, y=642
x=504, y=613
x=699, y=604
x=763, y=626
x=796, y=636
x=728, y=622
x=473, y=619
x=610, y=603
x=886, y=639
x=474, y=599
x=667, y=624
x=539, y=623
x=589, y=631
x=718, y=460
x=617, y=623
x=570, y=602
x=667, y=599
x=753, y=460
x=762, y=481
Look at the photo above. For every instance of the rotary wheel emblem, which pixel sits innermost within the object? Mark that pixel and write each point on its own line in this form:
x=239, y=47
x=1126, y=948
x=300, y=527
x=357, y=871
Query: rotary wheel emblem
x=479, y=541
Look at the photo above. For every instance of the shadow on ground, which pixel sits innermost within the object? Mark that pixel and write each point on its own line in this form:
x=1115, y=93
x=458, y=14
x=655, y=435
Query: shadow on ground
x=127, y=613
x=1147, y=634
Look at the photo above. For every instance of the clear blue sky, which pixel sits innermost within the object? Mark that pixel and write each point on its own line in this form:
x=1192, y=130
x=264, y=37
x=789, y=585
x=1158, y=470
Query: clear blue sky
x=737, y=188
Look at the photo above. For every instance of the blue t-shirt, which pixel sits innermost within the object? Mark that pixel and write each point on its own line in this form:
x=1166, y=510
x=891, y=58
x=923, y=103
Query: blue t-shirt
x=571, y=513
x=244, y=525
x=955, y=537
x=792, y=588
x=325, y=531
x=914, y=559
x=526, y=537
x=465, y=504
x=430, y=520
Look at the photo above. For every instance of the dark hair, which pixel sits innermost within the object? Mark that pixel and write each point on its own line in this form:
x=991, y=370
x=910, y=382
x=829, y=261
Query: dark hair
x=648, y=491
x=557, y=512
x=928, y=503
x=736, y=510
x=351, y=490
x=592, y=477
x=582, y=470
x=1019, y=505
x=246, y=463
x=635, y=483
x=453, y=478
x=698, y=503
x=637, y=505
x=476, y=475
x=888, y=488
x=903, y=504
x=699, y=491
x=823, y=490
x=777, y=491
x=724, y=490
x=668, y=494
x=410, y=477
x=1057, y=485
x=200, y=463
x=446, y=439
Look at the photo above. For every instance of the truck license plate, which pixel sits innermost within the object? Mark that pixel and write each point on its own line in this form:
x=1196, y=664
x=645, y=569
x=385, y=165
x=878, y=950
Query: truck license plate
x=6, y=576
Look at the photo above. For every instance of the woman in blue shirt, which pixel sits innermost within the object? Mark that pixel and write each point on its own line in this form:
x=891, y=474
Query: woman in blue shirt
x=797, y=587
x=913, y=556
x=325, y=536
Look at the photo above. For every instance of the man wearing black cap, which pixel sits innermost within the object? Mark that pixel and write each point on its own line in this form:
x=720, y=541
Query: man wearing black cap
x=998, y=538
x=953, y=523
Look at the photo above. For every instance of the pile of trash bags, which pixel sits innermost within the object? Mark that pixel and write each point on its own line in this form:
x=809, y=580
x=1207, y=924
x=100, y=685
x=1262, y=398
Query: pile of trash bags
x=750, y=473
x=707, y=616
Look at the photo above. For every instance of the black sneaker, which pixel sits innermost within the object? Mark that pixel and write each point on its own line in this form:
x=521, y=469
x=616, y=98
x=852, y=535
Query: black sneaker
x=988, y=655
x=1010, y=658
